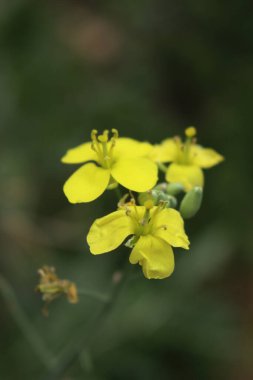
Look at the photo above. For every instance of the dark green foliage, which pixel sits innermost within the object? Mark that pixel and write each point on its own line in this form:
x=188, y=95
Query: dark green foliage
x=149, y=69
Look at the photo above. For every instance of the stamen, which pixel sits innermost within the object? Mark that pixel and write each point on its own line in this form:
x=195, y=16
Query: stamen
x=93, y=147
x=122, y=202
x=157, y=210
x=95, y=144
x=149, y=204
x=113, y=143
x=162, y=204
x=94, y=134
x=115, y=133
x=133, y=201
x=100, y=144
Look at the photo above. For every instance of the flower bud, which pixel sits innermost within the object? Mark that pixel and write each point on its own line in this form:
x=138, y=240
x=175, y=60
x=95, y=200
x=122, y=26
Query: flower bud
x=156, y=197
x=169, y=200
x=191, y=203
x=161, y=186
x=174, y=188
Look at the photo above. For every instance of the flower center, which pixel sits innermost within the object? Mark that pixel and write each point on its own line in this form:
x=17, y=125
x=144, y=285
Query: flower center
x=184, y=149
x=145, y=224
x=103, y=146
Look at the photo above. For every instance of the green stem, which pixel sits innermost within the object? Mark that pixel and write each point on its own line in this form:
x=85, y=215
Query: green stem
x=24, y=324
x=64, y=360
x=93, y=294
x=118, y=193
x=162, y=167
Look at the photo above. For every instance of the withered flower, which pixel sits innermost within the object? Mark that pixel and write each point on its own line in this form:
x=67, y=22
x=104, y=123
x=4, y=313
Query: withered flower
x=52, y=287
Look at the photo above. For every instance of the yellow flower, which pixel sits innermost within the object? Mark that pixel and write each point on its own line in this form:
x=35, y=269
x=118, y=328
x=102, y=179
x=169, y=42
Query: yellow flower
x=188, y=159
x=155, y=230
x=115, y=160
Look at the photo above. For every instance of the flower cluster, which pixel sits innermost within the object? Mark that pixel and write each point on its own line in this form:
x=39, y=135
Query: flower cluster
x=153, y=225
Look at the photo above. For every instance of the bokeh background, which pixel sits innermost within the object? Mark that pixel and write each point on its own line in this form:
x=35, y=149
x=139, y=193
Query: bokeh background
x=149, y=68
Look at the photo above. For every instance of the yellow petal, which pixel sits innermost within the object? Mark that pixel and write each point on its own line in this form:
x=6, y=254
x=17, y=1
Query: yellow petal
x=86, y=184
x=188, y=175
x=205, y=157
x=154, y=255
x=169, y=226
x=107, y=233
x=79, y=154
x=167, y=151
x=127, y=148
x=137, y=174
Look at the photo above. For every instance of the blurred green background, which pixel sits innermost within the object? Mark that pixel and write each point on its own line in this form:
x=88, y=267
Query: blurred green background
x=149, y=68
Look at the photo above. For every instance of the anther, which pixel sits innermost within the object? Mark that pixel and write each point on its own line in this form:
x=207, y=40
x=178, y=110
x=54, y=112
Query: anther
x=115, y=133
x=93, y=146
x=162, y=204
x=94, y=134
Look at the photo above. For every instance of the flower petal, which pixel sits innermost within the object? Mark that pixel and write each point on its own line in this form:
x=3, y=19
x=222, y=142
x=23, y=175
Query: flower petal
x=79, y=154
x=154, y=255
x=205, y=157
x=188, y=175
x=107, y=233
x=169, y=226
x=128, y=148
x=86, y=184
x=137, y=174
x=167, y=151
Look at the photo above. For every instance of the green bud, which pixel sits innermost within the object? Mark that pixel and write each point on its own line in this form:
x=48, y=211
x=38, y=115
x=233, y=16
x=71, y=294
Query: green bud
x=153, y=195
x=191, y=202
x=174, y=188
x=172, y=201
x=168, y=199
x=161, y=187
x=159, y=195
x=156, y=195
